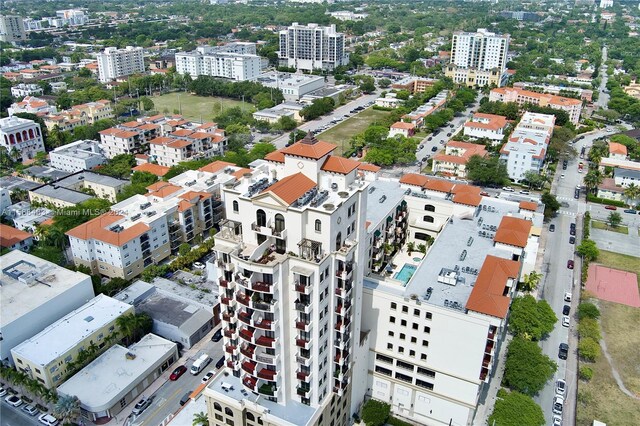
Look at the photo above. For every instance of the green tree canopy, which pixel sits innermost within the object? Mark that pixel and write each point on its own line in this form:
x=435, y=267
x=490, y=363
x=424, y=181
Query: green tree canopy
x=530, y=318
x=375, y=413
x=527, y=369
x=487, y=170
x=516, y=409
x=588, y=250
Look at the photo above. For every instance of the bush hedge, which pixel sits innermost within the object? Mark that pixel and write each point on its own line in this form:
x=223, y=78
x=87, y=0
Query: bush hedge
x=593, y=199
x=586, y=373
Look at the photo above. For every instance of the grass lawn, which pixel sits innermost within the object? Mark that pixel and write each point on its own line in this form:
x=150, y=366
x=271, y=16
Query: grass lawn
x=601, y=398
x=601, y=225
x=342, y=133
x=195, y=107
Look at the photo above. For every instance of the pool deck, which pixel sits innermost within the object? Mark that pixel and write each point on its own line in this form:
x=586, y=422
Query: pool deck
x=401, y=258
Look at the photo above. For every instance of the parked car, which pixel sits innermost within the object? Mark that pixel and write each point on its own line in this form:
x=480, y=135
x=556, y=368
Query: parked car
x=558, y=403
x=48, y=419
x=566, y=321
x=524, y=192
x=566, y=309
x=207, y=376
x=572, y=240
x=561, y=387
x=630, y=211
x=484, y=193
x=185, y=398
x=611, y=207
x=220, y=363
x=449, y=134
x=198, y=265
x=570, y=264
x=425, y=159
x=3, y=392
x=562, y=176
x=567, y=297
x=572, y=232
x=552, y=228
x=557, y=420
x=563, y=351
x=217, y=336
x=508, y=189
x=13, y=400
x=421, y=146
x=141, y=405
x=30, y=410
x=175, y=375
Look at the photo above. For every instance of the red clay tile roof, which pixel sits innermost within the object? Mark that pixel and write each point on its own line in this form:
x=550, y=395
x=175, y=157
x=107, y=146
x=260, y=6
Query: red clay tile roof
x=182, y=132
x=439, y=185
x=403, y=125
x=179, y=143
x=131, y=124
x=161, y=140
x=551, y=99
x=165, y=191
x=513, y=231
x=290, y=188
x=487, y=294
x=528, y=205
x=200, y=135
x=335, y=164
x=98, y=229
x=158, y=185
x=369, y=167
x=240, y=173
x=413, y=179
x=495, y=121
x=10, y=235
x=154, y=169
x=275, y=156
x=215, y=166
x=309, y=147
x=467, y=198
x=617, y=148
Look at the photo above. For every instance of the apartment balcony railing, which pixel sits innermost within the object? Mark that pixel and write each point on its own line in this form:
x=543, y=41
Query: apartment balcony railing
x=230, y=333
x=344, y=292
x=229, y=317
x=231, y=349
x=262, y=287
x=267, y=389
x=342, y=309
x=264, y=305
x=265, y=341
x=303, y=390
x=489, y=347
x=243, y=299
x=267, y=374
x=303, y=306
x=303, y=359
x=249, y=367
x=245, y=317
x=228, y=301
x=303, y=343
x=246, y=335
x=265, y=358
x=303, y=375
x=264, y=324
x=250, y=382
x=303, y=325
x=302, y=288
x=247, y=351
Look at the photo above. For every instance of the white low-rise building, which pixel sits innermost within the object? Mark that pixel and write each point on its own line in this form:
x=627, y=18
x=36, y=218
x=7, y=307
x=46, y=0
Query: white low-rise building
x=285, y=109
x=293, y=86
x=347, y=15
x=32, y=105
x=187, y=145
x=45, y=356
x=77, y=156
x=22, y=135
x=486, y=126
x=27, y=219
x=119, y=376
x=23, y=89
x=35, y=293
x=389, y=101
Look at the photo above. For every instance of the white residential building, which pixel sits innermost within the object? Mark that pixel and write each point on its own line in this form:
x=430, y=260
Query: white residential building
x=235, y=61
x=44, y=357
x=293, y=86
x=606, y=3
x=72, y=17
x=285, y=109
x=28, y=305
x=310, y=47
x=22, y=135
x=104, y=394
x=347, y=15
x=186, y=145
x=115, y=63
x=32, y=105
x=77, y=156
x=571, y=106
x=527, y=146
x=133, y=137
x=486, y=126
x=23, y=89
x=12, y=29
x=478, y=59
x=389, y=101
x=145, y=229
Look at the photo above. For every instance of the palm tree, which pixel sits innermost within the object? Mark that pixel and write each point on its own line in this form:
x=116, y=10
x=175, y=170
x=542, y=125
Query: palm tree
x=200, y=419
x=125, y=325
x=592, y=179
x=531, y=281
x=632, y=192
x=67, y=409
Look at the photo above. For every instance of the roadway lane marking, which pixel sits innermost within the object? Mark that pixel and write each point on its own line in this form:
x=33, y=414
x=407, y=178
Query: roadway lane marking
x=154, y=413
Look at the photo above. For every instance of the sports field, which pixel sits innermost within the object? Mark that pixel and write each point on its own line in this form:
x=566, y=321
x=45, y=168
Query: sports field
x=341, y=134
x=200, y=108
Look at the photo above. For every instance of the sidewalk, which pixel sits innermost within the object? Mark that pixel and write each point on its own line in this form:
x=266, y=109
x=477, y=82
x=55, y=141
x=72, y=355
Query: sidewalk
x=123, y=417
x=486, y=407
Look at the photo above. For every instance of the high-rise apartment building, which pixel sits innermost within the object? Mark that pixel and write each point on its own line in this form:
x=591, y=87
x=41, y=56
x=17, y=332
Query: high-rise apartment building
x=12, y=29
x=310, y=47
x=287, y=254
x=235, y=61
x=115, y=63
x=478, y=59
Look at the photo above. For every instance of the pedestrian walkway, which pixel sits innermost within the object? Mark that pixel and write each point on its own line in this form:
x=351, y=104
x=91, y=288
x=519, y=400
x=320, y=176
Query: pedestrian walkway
x=614, y=371
x=485, y=408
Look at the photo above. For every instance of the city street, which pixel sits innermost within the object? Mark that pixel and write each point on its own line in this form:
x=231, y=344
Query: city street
x=603, y=97
x=12, y=416
x=166, y=399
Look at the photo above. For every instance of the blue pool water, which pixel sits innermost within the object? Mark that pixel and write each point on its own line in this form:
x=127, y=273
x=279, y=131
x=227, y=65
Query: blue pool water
x=405, y=273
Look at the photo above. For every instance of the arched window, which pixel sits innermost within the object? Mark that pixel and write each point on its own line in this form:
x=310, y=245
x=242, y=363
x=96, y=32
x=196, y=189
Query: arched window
x=217, y=406
x=236, y=208
x=261, y=218
x=338, y=241
x=428, y=219
x=31, y=136
x=279, y=223
x=38, y=130
x=24, y=135
x=18, y=137
x=228, y=411
x=318, y=225
x=250, y=416
x=12, y=139
x=429, y=208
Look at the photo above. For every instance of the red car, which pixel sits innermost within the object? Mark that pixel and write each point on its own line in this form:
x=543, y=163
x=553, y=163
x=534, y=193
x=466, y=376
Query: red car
x=570, y=264
x=611, y=207
x=177, y=373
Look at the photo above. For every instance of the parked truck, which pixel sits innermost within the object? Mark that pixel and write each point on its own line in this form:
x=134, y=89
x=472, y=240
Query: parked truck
x=200, y=363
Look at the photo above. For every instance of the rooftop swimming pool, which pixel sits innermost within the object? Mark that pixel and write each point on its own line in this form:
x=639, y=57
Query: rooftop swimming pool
x=405, y=273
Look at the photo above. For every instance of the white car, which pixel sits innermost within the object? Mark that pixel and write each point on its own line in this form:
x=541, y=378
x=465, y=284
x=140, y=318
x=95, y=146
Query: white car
x=567, y=297
x=3, y=392
x=13, y=400
x=561, y=387
x=140, y=406
x=198, y=265
x=557, y=420
x=562, y=176
x=558, y=404
x=508, y=189
x=48, y=419
x=30, y=409
x=208, y=376
x=566, y=321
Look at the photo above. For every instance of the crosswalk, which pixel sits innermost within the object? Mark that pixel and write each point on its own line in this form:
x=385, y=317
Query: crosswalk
x=567, y=213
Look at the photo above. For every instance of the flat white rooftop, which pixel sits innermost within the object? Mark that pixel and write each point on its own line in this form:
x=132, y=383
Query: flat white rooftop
x=112, y=375
x=65, y=333
x=27, y=282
